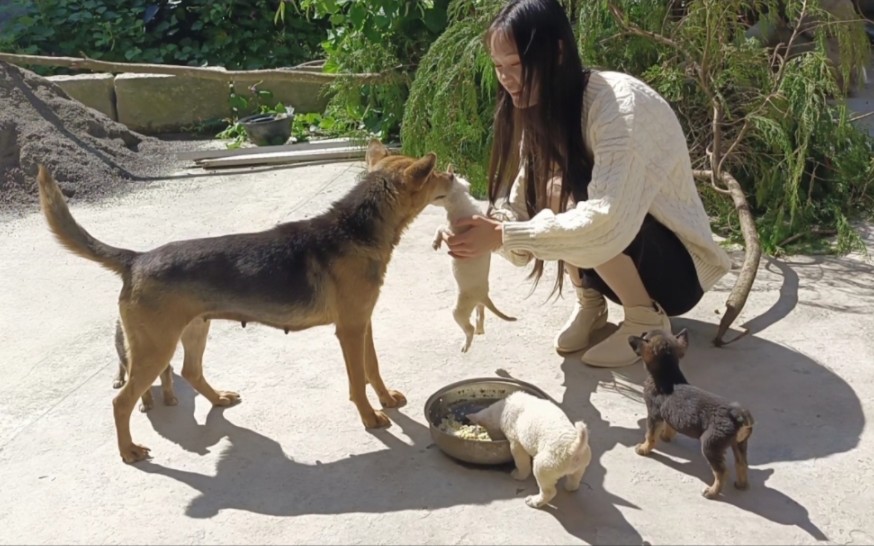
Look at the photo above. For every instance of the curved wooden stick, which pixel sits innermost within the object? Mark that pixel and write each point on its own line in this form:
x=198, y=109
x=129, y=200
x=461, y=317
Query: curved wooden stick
x=752, y=254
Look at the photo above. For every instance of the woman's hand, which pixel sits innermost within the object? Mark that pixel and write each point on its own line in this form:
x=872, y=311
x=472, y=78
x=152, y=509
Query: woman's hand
x=484, y=235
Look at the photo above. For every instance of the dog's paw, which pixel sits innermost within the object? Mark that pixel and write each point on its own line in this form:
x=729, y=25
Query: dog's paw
x=741, y=485
x=518, y=475
x=146, y=405
x=710, y=493
x=395, y=399
x=226, y=398
x=642, y=449
x=118, y=383
x=134, y=453
x=377, y=419
x=535, y=501
x=170, y=400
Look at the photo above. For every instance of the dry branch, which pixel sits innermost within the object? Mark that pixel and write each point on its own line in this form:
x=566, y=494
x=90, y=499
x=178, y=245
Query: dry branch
x=752, y=254
x=209, y=73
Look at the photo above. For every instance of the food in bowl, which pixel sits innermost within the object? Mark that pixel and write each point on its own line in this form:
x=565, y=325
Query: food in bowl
x=451, y=425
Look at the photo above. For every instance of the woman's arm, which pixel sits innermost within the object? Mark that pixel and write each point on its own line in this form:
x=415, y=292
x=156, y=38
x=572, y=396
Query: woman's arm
x=513, y=209
x=599, y=229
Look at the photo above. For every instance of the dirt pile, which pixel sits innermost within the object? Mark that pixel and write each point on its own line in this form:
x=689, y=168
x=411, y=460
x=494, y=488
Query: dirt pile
x=89, y=154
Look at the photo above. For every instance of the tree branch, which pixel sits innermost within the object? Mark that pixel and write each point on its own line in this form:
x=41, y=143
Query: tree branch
x=209, y=73
x=752, y=255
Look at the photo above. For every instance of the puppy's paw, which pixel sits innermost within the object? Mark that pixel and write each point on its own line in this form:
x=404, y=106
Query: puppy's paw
x=227, y=398
x=170, y=400
x=667, y=434
x=535, y=501
x=480, y=330
x=117, y=383
x=376, y=419
x=741, y=485
x=519, y=475
x=134, y=453
x=146, y=405
x=643, y=449
x=394, y=399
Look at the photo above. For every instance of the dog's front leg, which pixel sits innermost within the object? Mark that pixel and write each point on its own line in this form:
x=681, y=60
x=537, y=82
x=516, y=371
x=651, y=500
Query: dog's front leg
x=352, y=339
x=387, y=397
x=438, y=237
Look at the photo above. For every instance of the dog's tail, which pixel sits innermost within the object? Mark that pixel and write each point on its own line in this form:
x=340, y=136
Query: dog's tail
x=582, y=436
x=73, y=236
x=491, y=307
x=745, y=419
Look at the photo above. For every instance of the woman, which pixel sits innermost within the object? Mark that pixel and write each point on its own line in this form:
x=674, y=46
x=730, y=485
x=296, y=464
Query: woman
x=590, y=168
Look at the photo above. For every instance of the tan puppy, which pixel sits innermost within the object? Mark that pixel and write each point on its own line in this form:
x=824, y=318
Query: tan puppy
x=538, y=429
x=471, y=274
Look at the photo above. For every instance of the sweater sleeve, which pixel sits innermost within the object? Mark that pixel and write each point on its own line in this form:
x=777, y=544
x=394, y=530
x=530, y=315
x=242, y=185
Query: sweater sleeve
x=513, y=209
x=599, y=229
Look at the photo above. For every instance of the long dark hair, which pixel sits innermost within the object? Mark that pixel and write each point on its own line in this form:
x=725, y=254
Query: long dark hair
x=551, y=131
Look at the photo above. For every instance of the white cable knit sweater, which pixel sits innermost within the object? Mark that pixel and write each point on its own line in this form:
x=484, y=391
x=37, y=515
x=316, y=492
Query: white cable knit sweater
x=641, y=165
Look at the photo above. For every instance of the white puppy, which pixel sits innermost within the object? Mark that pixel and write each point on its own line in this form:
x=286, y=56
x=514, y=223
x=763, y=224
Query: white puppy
x=471, y=274
x=539, y=429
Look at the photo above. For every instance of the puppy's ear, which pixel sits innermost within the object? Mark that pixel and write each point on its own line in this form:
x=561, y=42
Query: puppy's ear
x=450, y=169
x=474, y=418
x=637, y=343
x=682, y=342
x=418, y=172
x=376, y=151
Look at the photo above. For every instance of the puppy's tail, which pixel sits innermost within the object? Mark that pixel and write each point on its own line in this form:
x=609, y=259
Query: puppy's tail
x=745, y=419
x=73, y=236
x=582, y=436
x=491, y=307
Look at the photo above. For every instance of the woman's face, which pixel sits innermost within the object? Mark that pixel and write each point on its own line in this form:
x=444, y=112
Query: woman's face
x=508, y=66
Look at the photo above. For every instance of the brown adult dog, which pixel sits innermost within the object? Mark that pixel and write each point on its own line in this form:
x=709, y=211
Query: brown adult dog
x=673, y=405
x=325, y=270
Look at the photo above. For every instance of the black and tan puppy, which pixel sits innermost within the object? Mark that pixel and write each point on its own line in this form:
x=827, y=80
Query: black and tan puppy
x=673, y=405
x=328, y=269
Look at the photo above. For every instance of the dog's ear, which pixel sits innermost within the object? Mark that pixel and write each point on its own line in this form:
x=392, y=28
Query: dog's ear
x=682, y=342
x=450, y=169
x=376, y=151
x=637, y=344
x=474, y=418
x=418, y=172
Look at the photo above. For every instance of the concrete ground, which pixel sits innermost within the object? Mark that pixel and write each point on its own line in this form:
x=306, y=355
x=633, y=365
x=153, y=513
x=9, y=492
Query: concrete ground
x=293, y=464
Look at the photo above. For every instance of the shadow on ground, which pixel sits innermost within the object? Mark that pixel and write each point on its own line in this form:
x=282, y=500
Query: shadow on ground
x=803, y=411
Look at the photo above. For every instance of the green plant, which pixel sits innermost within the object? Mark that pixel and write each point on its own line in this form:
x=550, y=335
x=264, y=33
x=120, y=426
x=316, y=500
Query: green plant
x=373, y=36
x=230, y=33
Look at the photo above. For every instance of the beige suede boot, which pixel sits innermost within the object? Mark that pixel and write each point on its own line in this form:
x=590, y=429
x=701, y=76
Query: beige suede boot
x=589, y=314
x=615, y=352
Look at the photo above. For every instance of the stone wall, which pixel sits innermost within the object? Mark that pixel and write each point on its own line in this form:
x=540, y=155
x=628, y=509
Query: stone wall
x=158, y=103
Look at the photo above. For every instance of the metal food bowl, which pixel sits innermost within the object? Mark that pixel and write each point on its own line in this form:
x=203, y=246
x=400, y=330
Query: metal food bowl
x=470, y=396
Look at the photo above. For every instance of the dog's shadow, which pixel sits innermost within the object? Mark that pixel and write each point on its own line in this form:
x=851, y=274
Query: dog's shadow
x=255, y=474
x=684, y=455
